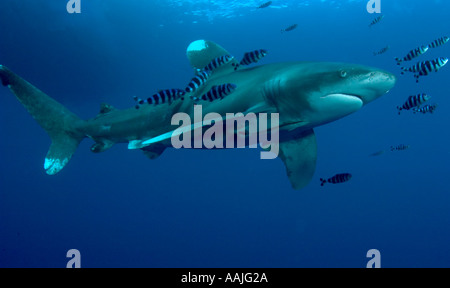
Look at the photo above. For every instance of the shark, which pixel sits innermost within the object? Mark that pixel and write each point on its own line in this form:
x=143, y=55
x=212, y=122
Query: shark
x=305, y=95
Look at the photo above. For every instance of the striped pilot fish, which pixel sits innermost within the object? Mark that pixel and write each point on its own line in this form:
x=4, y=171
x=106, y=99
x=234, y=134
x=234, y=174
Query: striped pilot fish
x=382, y=51
x=337, y=179
x=426, y=67
x=163, y=96
x=218, y=62
x=425, y=109
x=413, y=54
x=217, y=92
x=400, y=147
x=376, y=20
x=198, y=81
x=413, y=102
x=252, y=57
x=439, y=42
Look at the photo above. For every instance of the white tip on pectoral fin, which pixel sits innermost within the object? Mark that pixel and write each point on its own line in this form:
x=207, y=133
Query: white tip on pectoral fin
x=53, y=166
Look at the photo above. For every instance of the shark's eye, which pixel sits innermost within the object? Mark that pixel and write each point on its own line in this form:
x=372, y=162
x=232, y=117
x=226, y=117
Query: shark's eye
x=343, y=73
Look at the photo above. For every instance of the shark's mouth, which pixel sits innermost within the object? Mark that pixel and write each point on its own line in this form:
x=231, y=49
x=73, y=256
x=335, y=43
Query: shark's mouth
x=342, y=95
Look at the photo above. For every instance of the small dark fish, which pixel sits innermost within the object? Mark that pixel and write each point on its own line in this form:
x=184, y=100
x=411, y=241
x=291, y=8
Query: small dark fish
x=439, y=42
x=218, y=62
x=290, y=28
x=337, y=179
x=376, y=20
x=198, y=81
x=163, y=96
x=414, y=101
x=413, y=54
x=251, y=57
x=382, y=51
x=400, y=147
x=425, y=109
x=378, y=153
x=217, y=92
x=265, y=5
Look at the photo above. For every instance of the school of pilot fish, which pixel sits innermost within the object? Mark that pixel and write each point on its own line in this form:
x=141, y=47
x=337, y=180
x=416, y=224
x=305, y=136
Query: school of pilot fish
x=414, y=103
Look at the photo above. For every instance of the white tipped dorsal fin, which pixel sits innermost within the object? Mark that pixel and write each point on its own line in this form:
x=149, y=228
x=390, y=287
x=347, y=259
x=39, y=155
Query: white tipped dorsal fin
x=201, y=52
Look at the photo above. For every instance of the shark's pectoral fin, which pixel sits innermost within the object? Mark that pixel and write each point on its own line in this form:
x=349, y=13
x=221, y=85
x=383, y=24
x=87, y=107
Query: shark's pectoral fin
x=299, y=156
x=154, y=151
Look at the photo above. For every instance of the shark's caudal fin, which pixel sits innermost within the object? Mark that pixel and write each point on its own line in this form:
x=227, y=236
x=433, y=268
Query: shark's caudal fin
x=299, y=156
x=58, y=121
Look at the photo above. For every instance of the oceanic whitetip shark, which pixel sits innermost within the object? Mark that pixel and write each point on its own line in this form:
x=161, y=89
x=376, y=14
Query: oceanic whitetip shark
x=304, y=94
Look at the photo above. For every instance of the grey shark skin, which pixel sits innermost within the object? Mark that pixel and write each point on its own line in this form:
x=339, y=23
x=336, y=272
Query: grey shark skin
x=305, y=94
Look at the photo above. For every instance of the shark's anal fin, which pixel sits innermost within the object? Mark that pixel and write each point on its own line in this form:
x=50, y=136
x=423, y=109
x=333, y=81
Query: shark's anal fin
x=101, y=145
x=3, y=76
x=299, y=156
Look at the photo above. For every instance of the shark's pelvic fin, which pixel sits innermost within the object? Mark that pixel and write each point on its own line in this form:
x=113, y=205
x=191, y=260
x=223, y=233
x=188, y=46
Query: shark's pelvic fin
x=106, y=108
x=201, y=52
x=299, y=157
x=57, y=121
x=154, y=151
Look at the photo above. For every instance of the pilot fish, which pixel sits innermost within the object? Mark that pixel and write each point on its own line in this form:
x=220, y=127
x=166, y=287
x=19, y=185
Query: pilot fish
x=163, y=96
x=218, y=62
x=413, y=101
x=382, y=51
x=425, y=109
x=400, y=147
x=376, y=20
x=337, y=179
x=265, y=5
x=439, y=42
x=252, y=57
x=290, y=28
x=216, y=92
x=198, y=81
x=413, y=54
x=426, y=67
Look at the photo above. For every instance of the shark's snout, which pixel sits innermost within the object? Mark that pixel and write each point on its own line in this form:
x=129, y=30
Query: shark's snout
x=377, y=84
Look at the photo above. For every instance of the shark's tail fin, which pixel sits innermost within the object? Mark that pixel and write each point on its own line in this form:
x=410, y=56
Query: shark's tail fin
x=60, y=124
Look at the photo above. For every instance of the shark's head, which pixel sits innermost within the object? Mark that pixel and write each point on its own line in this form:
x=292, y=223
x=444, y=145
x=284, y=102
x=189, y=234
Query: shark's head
x=319, y=93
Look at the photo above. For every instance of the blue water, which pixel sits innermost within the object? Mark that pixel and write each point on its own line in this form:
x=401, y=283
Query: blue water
x=221, y=208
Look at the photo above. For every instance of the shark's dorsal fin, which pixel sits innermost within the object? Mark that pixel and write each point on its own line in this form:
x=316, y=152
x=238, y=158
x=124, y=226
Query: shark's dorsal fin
x=299, y=156
x=106, y=108
x=201, y=52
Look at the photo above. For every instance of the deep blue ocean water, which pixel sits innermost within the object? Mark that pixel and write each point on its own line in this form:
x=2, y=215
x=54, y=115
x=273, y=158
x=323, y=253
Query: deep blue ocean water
x=221, y=208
